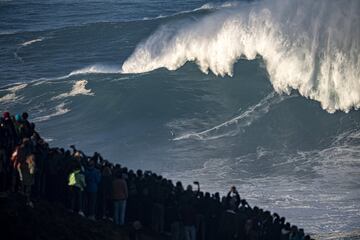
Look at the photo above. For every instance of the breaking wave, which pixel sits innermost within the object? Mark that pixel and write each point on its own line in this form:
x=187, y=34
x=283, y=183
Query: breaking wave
x=302, y=48
x=93, y=69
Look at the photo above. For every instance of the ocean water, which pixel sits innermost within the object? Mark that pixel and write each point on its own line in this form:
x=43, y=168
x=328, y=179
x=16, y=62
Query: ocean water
x=263, y=95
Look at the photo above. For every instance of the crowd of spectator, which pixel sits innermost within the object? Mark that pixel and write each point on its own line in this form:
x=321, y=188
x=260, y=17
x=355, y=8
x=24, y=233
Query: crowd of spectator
x=100, y=190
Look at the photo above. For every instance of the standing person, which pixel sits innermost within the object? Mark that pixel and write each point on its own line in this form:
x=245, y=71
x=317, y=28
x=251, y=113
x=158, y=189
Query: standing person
x=3, y=158
x=3, y=169
x=19, y=127
x=120, y=195
x=27, y=129
x=77, y=184
x=106, y=191
x=11, y=139
x=233, y=199
x=18, y=158
x=27, y=177
x=92, y=178
x=188, y=216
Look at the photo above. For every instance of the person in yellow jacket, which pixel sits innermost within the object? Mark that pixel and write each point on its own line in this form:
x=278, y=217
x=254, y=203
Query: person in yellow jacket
x=76, y=186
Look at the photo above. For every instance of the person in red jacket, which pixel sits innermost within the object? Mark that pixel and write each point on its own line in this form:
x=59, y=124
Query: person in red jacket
x=120, y=195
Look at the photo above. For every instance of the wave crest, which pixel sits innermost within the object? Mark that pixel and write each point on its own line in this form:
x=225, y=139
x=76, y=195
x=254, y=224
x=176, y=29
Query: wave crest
x=32, y=41
x=302, y=47
x=97, y=68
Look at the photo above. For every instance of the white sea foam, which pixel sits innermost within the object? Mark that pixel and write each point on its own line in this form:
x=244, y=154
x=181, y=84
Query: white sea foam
x=245, y=119
x=210, y=6
x=10, y=97
x=206, y=6
x=302, y=47
x=79, y=88
x=57, y=111
x=93, y=69
x=27, y=43
x=326, y=177
x=97, y=68
x=48, y=139
x=11, y=93
x=17, y=87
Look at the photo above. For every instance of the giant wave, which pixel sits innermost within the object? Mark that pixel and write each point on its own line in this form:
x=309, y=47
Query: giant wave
x=302, y=47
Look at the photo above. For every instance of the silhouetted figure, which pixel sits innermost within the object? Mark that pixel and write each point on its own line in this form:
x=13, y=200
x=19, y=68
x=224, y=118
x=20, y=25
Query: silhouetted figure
x=92, y=178
x=120, y=195
x=11, y=138
x=188, y=216
x=77, y=184
x=27, y=130
x=26, y=172
x=106, y=191
x=233, y=199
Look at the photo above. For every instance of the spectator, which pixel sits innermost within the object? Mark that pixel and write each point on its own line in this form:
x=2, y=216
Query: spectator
x=106, y=190
x=11, y=139
x=19, y=127
x=26, y=172
x=120, y=195
x=3, y=167
x=77, y=184
x=92, y=178
x=188, y=216
x=233, y=199
x=27, y=129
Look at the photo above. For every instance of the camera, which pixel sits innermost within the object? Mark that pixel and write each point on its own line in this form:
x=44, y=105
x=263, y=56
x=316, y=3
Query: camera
x=196, y=183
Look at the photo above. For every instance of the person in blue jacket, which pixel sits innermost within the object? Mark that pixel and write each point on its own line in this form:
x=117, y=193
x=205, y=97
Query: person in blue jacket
x=92, y=178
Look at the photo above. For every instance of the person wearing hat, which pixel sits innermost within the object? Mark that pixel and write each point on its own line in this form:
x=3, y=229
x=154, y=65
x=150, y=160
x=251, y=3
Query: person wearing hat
x=6, y=115
x=19, y=126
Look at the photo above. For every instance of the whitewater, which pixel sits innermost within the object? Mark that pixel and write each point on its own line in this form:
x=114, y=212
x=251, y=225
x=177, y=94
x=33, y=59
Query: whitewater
x=264, y=95
x=303, y=49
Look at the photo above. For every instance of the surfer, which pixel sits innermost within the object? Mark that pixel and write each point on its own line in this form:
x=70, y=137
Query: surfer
x=172, y=133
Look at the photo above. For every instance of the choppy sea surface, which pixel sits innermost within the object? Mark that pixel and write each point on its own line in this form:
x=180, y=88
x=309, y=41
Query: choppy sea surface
x=263, y=95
